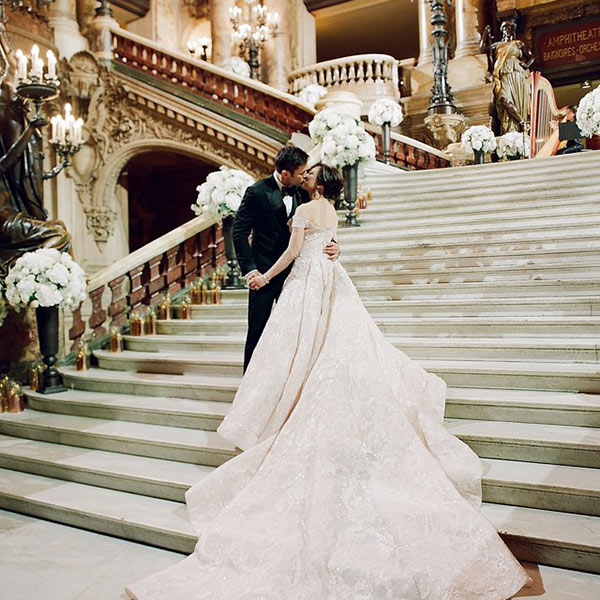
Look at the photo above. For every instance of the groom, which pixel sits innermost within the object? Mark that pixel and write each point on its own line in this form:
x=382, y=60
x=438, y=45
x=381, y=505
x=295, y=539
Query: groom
x=265, y=211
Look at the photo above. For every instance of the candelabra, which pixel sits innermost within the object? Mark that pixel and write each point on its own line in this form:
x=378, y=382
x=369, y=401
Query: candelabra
x=38, y=86
x=442, y=101
x=251, y=31
x=199, y=43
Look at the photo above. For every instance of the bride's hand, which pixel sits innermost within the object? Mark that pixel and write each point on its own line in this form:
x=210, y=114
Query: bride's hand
x=257, y=282
x=332, y=250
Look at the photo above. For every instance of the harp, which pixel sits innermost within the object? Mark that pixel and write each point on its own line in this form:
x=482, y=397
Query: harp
x=545, y=116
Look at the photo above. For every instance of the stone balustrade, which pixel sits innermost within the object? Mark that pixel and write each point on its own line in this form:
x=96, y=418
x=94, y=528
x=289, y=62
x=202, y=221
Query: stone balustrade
x=249, y=97
x=369, y=76
x=165, y=265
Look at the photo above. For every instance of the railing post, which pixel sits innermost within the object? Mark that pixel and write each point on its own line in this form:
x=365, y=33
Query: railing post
x=100, y=34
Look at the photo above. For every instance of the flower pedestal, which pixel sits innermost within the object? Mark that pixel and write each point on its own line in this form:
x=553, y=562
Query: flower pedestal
x=47, y=324
x=350, y=175
x=386, y=130
x=479, y=157
x=233, y=280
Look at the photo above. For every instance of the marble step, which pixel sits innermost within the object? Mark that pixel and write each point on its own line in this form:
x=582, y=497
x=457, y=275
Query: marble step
x=389, y=201
x=523, y=406
x=153, y=441
x=485, y=326
x=547, y=259
x=507, y=273
x=155, y=477
x=393, y=210
x=551, y=487
x=461, y=249
x=530, y=442
x=472, y=307
x=454, y=290
x=153, y=410
x=191, y=387
x=177, y=407
x=454, y=348
x=448, y=241
x=587, y=221
x=463, y=290
x=582, y=377
x=544, y=537
x=536, y=485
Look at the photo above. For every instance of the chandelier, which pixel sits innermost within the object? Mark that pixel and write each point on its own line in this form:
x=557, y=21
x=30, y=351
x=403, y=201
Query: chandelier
x=252, y=27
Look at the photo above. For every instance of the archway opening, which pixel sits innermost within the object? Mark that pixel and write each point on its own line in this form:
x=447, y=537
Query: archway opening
x=159, y=186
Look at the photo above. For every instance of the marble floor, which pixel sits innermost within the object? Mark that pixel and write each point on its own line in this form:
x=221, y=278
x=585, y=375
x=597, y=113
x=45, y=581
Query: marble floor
x=40, y=560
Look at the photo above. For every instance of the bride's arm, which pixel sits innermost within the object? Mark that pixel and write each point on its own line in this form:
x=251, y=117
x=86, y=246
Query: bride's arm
x=290, y=254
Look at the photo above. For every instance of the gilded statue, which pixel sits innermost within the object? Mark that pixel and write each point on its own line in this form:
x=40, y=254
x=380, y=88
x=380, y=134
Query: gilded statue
x=23, y=221
x=510, y=61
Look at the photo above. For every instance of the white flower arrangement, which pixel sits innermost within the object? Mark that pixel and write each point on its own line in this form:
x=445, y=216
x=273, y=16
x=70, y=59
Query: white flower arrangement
x=329, y=119
x=3, y=309
x=513, y=144
x=311, y=94
x=346, y=145
x=385, y=110
x=45, y=277
x=222, y=192
x=478, y=138
x=237, y=66
x=588, y=113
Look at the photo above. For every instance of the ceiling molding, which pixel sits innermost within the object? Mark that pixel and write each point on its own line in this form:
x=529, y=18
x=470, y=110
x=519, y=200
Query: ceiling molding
x=330, y=8
x=136, y=7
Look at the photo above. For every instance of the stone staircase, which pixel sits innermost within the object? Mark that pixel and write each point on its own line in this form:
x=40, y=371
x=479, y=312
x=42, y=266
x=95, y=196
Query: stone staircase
x=487, y=275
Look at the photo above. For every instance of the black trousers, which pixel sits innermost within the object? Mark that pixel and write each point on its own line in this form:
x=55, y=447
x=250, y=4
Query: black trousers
x=260, y=304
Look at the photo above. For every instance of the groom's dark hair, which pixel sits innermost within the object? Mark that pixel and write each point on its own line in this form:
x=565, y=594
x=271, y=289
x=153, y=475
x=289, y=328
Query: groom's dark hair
x=289, y=158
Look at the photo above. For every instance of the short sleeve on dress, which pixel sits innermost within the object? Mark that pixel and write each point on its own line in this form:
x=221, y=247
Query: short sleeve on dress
x=299, y=222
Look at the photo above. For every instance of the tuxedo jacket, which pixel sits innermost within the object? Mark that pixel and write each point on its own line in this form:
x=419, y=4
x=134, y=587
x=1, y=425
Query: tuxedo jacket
x=263, y=213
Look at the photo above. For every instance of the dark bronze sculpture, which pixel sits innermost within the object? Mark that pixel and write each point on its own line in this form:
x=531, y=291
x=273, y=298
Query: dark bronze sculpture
x=23, y=221
x=509, y=60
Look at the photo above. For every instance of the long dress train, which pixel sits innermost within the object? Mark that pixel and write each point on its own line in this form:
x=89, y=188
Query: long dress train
x=350, y=487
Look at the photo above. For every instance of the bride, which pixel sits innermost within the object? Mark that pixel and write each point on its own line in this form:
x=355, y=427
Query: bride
x=349, y=486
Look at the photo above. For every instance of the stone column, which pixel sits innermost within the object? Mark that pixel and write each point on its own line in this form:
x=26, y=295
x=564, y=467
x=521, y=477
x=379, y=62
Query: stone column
x=67, y=37
x=220, y=30
x=425, y=28
x=470, y=20
x=276, y=55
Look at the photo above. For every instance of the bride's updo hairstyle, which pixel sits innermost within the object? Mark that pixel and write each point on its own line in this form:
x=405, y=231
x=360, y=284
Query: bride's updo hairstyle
x=331, y=180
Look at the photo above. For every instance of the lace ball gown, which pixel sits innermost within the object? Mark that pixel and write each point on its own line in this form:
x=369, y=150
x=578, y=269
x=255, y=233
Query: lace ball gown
x=350, y=487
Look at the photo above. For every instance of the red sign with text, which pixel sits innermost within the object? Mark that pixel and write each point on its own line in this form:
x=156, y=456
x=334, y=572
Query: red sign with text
x=576, y=43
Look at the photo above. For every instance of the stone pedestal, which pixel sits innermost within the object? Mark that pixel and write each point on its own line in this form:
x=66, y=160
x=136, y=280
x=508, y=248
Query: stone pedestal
x=446, y=129
x=350, y=102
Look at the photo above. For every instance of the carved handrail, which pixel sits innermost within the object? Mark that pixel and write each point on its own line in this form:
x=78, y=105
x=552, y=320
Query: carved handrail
x=347, y=71
x=409, y=153
x=168, y=264
x=243, y=95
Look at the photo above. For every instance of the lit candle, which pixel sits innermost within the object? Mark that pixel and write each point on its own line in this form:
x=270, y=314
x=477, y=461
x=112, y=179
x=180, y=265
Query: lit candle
x=67, y=111
x=39, y=68
x=35, y=54
x=53, y=121
x=21, y=65
x=79, y=131
x=51, y=64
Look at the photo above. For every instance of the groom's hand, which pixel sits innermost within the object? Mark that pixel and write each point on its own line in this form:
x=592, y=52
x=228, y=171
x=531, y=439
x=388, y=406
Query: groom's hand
x=332, y=250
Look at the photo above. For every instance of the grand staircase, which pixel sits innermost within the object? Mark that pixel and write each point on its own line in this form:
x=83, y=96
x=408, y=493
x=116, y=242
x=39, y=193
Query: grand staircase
x=487, y=275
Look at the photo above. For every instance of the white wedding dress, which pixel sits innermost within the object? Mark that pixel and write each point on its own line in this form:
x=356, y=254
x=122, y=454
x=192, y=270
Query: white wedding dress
x=349, y=486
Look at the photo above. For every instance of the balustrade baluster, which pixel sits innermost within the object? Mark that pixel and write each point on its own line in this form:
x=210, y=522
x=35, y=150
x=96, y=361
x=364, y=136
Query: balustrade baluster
x=117, y=309
x=173, y=270
x=77, y=327
x=352, y=73
x=137, y=289
x=378, y=72
x=368, y=72
x=98, y=316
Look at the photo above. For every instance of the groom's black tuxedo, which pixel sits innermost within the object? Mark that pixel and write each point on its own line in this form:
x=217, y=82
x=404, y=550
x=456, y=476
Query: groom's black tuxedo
x=263, y=213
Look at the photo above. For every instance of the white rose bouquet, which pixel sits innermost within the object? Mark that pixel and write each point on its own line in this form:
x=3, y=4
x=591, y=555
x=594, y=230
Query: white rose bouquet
x=312, y=93
x=385, y=110
x=478, y=138
x=237, y=66
x=45, y=277
x=513, y=144
x=329, y=119
x=347, y=145
x=588, y=113
x=222, y=192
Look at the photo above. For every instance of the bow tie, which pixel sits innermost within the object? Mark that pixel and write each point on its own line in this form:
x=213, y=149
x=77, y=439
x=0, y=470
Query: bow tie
x=288, y=190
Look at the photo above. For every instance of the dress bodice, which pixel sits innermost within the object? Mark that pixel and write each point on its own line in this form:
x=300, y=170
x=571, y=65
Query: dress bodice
x=315, y=238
